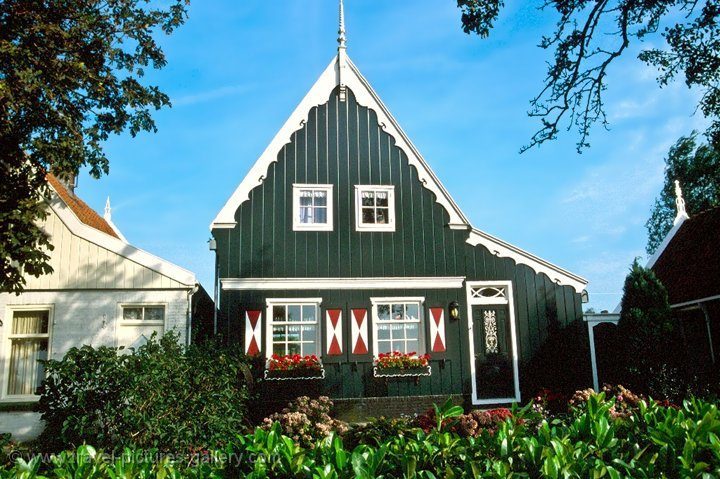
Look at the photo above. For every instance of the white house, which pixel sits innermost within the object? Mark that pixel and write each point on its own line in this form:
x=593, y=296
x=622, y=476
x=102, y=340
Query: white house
x=103, y=292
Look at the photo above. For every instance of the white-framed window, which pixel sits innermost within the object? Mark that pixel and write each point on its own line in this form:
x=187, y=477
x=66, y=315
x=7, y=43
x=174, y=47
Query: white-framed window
x=143, y=314
x=28, y=341
x=398, y=325
x=294, y=326
x=312, y=207
x=375, y=207
x=138, y=322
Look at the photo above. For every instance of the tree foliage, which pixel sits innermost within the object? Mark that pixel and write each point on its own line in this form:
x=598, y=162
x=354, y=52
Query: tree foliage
x=646, y=326
x=697, y=168
x=70, y=75
x=590, y=35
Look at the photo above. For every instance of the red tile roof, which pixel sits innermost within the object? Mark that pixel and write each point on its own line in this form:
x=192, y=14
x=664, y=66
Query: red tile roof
x=84, y=213
x=689, y=267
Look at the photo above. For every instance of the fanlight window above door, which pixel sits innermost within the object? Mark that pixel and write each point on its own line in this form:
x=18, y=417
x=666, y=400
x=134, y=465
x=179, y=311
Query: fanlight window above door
x=489, y=295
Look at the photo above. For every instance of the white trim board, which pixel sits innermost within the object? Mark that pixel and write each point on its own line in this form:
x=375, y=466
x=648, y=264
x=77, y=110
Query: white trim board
x=442, y=282
x=366, y=96
x=118, y=246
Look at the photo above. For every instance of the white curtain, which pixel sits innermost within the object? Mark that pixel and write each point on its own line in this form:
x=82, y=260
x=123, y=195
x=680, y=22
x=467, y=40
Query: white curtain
x=26, y=373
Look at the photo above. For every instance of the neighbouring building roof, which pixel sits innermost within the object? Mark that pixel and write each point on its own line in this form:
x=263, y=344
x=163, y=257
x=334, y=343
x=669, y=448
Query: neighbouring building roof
x=689, y=265
x=83, y=212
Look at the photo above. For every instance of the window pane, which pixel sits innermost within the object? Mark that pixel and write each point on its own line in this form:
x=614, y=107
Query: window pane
x=320, y=198
x=294, y=313
x=278, y=313
x=384, y=347
x=30, y=322
x=383, y=331
x=155, y=313
x=279, y=348
x=309, y=349
x=309, y=333
x=279, y=333
x=399, y=346
x=412, y=346
x=383, y=312
x=368, y=216
x=306, y=198
x=306, y=215
x=412, y=310
x=368, y=198
x=381, y=216
x=398, y=311
x=132, y=313
x=26, y=373
x=294, y=348
x=293, y=333
x=321, y=216
x=382, y=198
x=412, y=330
x=309, y=313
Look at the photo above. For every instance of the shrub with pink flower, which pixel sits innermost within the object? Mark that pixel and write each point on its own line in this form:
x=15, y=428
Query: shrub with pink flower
x=307, y=420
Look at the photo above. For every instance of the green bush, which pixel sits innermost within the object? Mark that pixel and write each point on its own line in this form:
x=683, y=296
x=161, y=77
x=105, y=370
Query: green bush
x=161, y=396
x=593, y=440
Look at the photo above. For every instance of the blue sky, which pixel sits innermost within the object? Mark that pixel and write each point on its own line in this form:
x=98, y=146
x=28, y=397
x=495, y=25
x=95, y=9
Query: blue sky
x=236, y=71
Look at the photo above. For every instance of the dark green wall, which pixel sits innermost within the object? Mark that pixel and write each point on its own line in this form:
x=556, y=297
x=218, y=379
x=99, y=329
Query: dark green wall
x=342, y=144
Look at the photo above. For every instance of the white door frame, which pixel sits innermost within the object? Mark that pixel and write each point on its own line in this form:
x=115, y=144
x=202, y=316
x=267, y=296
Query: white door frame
x=593, y=320
x=506, y=299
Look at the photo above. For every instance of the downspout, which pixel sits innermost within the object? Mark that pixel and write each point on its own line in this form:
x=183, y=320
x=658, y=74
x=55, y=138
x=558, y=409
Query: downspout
x=188, y=323
x=709, y=330
x=212, y=244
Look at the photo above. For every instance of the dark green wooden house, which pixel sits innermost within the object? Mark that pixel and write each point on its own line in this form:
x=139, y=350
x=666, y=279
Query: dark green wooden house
x=341, y=242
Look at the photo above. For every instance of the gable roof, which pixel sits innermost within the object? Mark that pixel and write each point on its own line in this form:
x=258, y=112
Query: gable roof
x=83, y=212
x=85, y=223
x=341, y=71
x=688, y=264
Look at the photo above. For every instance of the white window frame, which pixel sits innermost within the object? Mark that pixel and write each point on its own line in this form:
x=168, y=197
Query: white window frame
x=506, y=298
x=390, y=300
x=390, y=225
x=142, y=322
x=6, y=349
x=297, y=225
x=270, y=302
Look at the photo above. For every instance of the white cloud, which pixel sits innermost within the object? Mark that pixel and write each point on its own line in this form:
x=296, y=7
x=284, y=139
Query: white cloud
x=208, y=95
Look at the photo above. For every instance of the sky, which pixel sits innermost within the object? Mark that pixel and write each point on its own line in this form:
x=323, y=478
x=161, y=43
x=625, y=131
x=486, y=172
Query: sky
x=236, y=70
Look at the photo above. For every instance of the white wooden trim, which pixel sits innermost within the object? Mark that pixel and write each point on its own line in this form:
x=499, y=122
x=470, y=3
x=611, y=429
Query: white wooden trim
x=297, y=226
x=593, y=320
x=390, y=225
x=5, y=358
x=513, y=335
x=366, y=96
x=270, y=302
x=420, y=282
x=695, y=301
x=503, y=249
x=118, y=246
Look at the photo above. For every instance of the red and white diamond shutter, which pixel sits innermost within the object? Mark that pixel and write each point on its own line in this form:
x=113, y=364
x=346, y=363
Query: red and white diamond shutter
x=253, y=333
x=334, y=332
x=437, y=330
x=359, y=332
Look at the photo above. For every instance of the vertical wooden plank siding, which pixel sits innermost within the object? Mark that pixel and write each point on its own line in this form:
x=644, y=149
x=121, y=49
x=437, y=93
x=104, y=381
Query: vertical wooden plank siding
x=342, y=144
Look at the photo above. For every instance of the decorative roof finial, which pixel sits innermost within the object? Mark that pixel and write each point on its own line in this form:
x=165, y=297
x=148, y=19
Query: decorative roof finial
x=679, y=204
x=341, y=31
x=108, y=210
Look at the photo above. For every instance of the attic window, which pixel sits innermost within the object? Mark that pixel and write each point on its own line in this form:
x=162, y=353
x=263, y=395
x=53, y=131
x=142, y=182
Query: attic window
x=312, y=207
x=375, y=207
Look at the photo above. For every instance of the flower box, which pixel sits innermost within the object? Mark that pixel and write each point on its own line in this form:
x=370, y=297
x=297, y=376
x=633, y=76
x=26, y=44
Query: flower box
x=400, y=365
x=293, y=366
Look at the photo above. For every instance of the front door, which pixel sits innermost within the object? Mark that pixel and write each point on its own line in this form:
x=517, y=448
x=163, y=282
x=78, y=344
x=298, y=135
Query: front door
x=493, y=351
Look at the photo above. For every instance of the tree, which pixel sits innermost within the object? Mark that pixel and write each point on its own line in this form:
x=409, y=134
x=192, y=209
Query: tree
x=70, y=75
x=697, y=168
x=646, y=326
x=590, y=35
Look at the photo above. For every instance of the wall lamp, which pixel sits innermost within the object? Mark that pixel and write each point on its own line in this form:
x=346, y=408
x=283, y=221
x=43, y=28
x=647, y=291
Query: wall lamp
x=454, y=309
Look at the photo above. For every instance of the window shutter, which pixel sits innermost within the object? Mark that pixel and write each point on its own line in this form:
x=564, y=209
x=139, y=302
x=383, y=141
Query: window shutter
x=253, y=332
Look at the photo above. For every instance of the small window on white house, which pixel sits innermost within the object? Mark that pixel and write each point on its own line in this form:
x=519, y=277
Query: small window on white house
x=312, y=207
x=144, y=314
x=375, y=207
x=29, y=341
x=398, y=325
x=294, y=326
